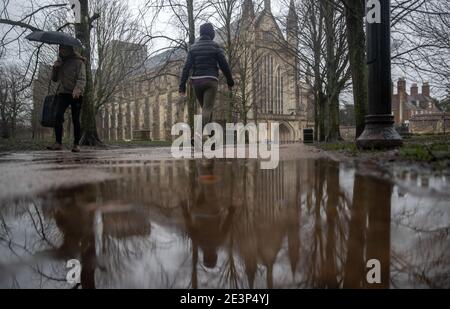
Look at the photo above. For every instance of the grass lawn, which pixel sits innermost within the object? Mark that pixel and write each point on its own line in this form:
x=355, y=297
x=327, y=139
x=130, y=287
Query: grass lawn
x=423, y=148
x=16, y=144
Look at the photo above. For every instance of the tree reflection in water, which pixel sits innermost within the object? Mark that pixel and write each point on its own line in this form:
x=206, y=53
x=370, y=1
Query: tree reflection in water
x=227, y=224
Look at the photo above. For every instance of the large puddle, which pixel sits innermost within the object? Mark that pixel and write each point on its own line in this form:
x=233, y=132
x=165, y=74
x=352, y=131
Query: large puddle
x=229, y=224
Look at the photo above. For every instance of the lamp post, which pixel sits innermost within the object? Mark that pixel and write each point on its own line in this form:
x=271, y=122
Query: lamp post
x=379, y=131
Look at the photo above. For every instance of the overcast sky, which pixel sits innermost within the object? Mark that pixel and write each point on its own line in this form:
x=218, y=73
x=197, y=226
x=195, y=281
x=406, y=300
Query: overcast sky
x=17, y=9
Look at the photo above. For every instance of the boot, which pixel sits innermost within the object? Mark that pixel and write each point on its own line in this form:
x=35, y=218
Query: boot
x=76, y=148
x=55, y=147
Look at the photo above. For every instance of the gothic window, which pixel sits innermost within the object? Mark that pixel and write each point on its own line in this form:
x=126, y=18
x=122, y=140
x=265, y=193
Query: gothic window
x=175, y=109
x=271, y=85
x=278, y=100
x=108, y=118
x=131, y=110
x=265, y=84
x=141, y=115
x=115, y=116
x=260, y=88
x=266, y=36
x=281, y=95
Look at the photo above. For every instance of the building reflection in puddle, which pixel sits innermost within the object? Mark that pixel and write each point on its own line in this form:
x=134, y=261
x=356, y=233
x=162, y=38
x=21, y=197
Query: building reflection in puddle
x=227, y=224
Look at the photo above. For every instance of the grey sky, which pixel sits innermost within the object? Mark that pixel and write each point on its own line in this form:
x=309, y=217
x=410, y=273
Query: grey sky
x=164, y=25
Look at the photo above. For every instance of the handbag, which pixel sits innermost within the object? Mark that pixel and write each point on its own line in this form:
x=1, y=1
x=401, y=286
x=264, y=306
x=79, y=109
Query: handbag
x=48, y=115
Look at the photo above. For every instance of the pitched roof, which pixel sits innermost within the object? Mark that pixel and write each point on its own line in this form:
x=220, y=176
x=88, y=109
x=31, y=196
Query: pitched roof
x=178, y=53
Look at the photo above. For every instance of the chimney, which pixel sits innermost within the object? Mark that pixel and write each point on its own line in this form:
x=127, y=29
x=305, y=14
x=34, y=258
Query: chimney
x=414, y=89
x=426, y=89
x=401, y=85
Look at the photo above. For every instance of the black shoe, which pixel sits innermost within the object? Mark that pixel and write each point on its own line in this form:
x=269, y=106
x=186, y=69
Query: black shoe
x=76, y=148
x=55, y=147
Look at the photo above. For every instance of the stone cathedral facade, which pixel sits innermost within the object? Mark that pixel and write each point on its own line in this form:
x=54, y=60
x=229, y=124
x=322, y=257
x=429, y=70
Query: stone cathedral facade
x=268, y=87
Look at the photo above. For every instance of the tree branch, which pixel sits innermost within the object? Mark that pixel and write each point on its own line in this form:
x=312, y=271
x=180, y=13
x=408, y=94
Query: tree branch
x=18, y=24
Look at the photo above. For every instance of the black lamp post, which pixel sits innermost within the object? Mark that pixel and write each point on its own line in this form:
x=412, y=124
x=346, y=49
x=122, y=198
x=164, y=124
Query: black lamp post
x=379, y=131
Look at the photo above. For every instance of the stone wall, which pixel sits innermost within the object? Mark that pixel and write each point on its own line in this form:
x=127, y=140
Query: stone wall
x=348, y=133
x=430, y=123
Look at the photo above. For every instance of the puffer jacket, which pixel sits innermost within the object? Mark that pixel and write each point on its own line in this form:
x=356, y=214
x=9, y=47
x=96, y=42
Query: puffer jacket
x=205, y=57
x=71, y=74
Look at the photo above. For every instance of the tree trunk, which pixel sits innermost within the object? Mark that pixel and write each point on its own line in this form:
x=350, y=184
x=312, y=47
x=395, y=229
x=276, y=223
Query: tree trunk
x=191, y=93
x=354, y=16
x=332, y=102
x=322, y=117
x=88, y=122
x=319, y=109
x=5, y=130
x=4, y=122
x=316, y=116
x=333, y=130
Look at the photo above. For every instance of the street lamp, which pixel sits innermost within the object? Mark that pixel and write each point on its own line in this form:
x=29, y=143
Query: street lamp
x=379, y=131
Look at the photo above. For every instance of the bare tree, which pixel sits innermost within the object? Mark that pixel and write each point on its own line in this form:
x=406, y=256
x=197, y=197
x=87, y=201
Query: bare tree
x=323, y=58
x=14, y=100
x=421, y=31
x=118, y=48
x=226, y=14
x=356, y=37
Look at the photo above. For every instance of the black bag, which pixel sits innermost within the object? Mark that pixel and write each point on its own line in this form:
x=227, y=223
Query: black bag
x=48, y=117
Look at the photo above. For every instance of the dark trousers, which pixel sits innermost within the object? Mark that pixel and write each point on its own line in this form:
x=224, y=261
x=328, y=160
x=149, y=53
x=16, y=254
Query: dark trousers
x=65, y=100
x=206, y=96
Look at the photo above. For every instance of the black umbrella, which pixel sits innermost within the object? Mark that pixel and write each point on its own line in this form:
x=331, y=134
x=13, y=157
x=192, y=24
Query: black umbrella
x=54, y=37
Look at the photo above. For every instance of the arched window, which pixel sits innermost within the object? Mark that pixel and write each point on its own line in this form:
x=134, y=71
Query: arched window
x=272, y=88
x=269, y=85
x=266, y=80
x=278, y=91
x=281, y=95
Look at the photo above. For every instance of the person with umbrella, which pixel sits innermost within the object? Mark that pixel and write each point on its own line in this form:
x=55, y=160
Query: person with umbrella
x=69, y=71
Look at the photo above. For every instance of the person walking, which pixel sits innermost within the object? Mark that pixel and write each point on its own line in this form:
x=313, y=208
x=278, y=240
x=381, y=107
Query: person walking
x=70, y=72
x=204, y=58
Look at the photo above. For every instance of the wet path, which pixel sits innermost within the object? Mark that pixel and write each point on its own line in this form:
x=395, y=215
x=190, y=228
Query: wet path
x=145, y=222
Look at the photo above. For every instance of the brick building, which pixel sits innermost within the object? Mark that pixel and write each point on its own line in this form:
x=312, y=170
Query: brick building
x=406, y=105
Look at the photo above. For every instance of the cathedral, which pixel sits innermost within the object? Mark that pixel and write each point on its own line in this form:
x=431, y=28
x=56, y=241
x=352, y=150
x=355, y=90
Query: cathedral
x=265, y=67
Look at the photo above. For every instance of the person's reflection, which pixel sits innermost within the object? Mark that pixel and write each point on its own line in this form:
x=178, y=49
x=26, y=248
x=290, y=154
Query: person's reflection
x=77, y=227
x=207, y=220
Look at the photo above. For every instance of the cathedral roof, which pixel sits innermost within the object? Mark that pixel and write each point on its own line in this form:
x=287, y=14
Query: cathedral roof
x=167, y=56
x=176, y=54
x=179, y=54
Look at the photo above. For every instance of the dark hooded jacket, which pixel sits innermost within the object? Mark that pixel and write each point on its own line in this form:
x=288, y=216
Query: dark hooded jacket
x=205, y=57
x=71, y=74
